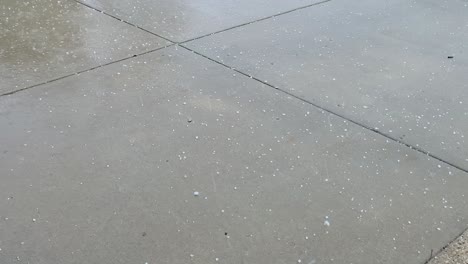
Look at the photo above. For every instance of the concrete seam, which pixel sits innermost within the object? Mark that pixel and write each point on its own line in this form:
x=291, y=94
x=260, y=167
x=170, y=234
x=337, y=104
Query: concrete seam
x=121, y=20
x=444, y=247
x=418, y=149
x=82, y=71
x=257, y=20
x=209, y=34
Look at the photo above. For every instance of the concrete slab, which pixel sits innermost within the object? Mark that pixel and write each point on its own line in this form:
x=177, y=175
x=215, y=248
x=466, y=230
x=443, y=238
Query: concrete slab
x=170, y=158
x=385, y=64
x=42, y=40
x=181, y=20
x=455, y=253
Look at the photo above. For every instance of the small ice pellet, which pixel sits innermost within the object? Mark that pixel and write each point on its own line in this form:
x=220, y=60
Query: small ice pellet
x=196, y=193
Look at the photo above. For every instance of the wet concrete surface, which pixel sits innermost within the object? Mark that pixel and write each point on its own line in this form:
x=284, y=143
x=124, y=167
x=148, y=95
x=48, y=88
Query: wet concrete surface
x=182, y=20
x=46, y=39
x=173, y=157
x=384, y=65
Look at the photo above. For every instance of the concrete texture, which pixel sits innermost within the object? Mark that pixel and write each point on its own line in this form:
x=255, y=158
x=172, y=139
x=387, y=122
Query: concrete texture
x=108, y=168
x=383, y=64
x=181, y=20
x=455, y=253
x=41, y=40
x=172, y=157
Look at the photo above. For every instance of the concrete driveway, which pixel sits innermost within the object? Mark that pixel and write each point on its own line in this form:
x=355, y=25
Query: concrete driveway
x=239, y=131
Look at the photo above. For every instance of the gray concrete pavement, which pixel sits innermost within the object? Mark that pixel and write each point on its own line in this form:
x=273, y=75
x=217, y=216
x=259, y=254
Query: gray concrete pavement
x=173, y=157
x=383, y=64
x=42, y=40
x=183, y=20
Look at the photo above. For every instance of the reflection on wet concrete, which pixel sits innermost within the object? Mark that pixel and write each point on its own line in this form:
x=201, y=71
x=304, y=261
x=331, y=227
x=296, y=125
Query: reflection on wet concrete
x=42, y=39
x=180, y=20
x=30, y=28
